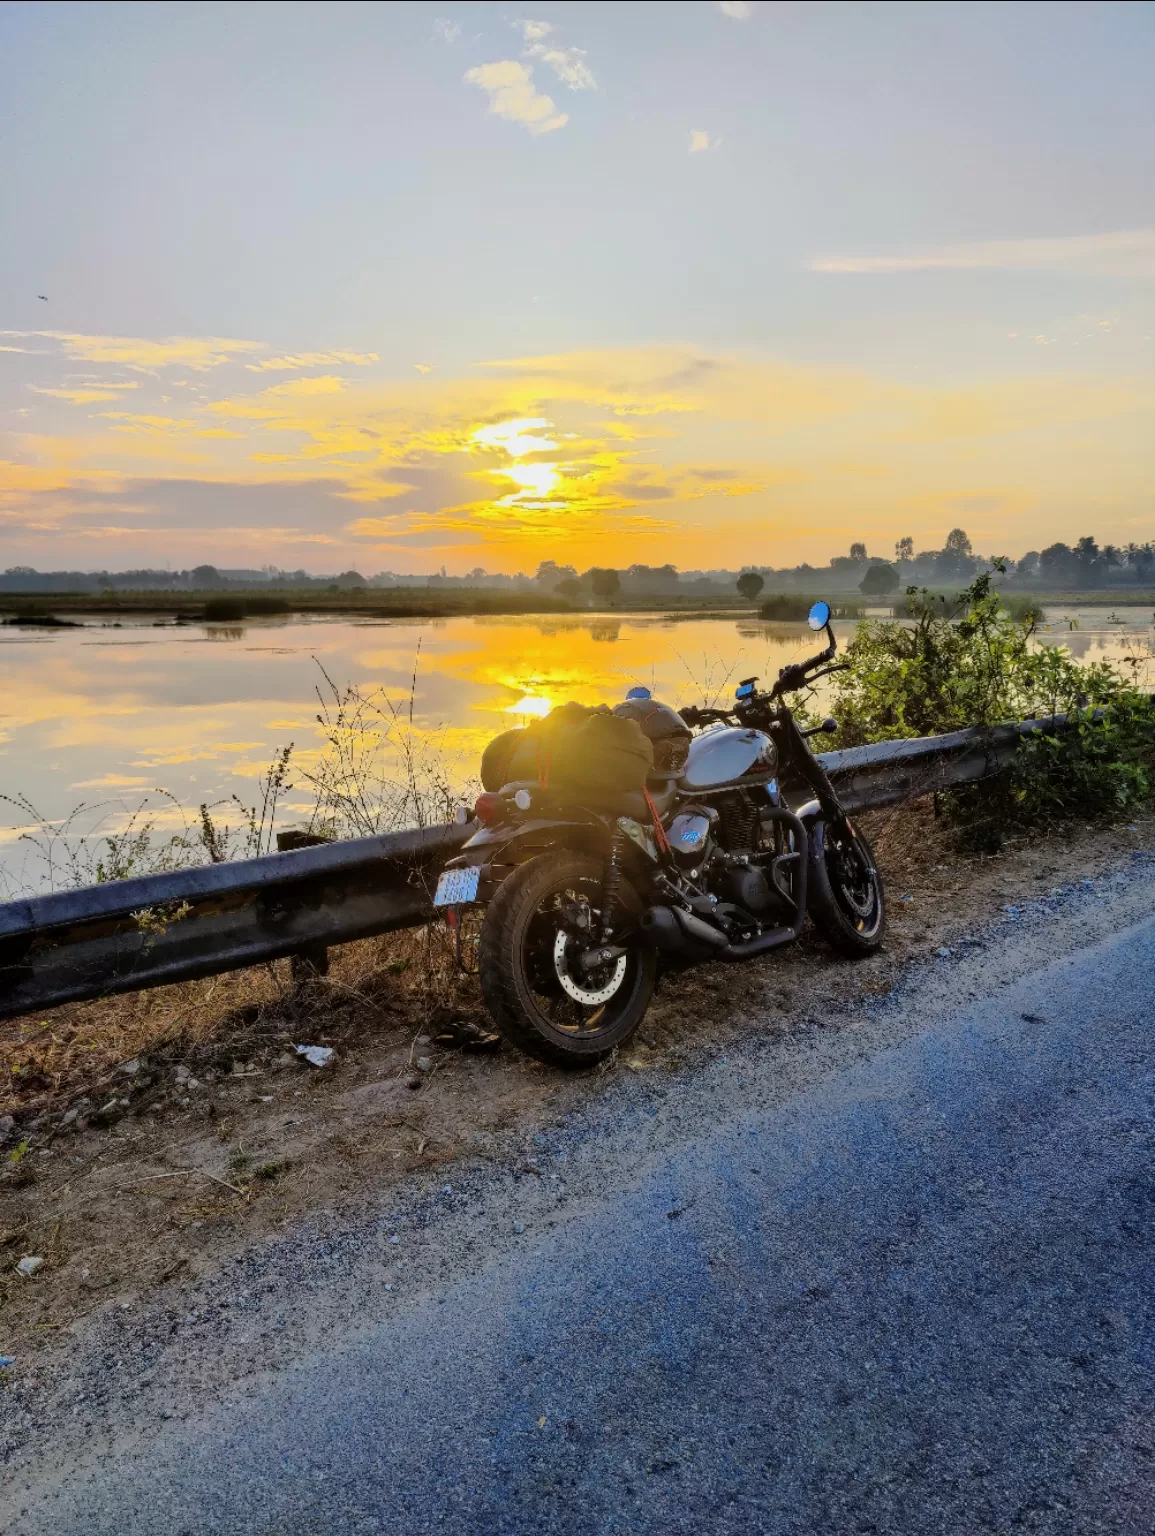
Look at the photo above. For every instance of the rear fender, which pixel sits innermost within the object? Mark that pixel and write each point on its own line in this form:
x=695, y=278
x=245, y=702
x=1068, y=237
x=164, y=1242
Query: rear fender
x=510, y=844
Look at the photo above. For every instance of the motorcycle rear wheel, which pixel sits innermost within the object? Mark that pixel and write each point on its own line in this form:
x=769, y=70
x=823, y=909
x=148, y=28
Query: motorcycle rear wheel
x=845, y=897
x=529, y=959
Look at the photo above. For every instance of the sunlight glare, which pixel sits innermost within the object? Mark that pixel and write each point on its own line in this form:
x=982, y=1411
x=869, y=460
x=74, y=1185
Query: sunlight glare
x=541, y=479
x=513, y=437
x=536, y=707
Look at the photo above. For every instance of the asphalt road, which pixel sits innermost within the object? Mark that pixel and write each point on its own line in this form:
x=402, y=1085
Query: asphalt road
x=914, y=1298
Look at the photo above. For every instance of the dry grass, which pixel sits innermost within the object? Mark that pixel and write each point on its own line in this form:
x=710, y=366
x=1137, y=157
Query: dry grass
x=404, y=979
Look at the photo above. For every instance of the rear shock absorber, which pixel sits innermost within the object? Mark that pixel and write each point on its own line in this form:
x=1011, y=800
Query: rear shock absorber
x=611, y=886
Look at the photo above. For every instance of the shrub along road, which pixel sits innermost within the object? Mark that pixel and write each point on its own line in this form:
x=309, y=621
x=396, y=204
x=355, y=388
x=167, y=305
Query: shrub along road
x=895, y=1276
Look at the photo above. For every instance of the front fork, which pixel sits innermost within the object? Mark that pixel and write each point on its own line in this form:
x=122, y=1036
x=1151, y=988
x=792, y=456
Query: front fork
x=817, y=779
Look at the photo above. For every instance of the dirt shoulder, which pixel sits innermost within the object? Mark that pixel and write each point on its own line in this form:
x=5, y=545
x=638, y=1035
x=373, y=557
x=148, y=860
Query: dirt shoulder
x=164, y=1134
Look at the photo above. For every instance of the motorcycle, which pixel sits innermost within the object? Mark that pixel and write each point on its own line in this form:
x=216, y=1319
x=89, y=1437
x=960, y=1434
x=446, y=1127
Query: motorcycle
x=721, y=859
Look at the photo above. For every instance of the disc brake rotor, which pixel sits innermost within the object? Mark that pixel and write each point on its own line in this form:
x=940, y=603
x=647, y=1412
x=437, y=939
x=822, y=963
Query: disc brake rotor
x=590, y=996
x=857, y=883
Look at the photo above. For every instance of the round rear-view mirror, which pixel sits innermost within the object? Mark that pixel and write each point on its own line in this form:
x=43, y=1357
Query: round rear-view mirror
x=819, y=615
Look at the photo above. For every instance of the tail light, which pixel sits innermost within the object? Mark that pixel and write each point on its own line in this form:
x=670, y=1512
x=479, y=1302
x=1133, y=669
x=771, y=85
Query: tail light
x=488, y=809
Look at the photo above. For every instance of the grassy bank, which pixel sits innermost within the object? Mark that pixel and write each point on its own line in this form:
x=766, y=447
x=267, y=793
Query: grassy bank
x=228, y=607
x=65, y=609
x=434, y=603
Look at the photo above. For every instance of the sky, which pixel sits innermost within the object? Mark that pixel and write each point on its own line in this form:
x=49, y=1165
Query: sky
x=410, y=286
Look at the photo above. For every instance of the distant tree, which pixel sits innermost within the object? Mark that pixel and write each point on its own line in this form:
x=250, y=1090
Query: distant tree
x=956, y=558
x=1028, y=566
x=958, y=543
x=904, y=549
x=203, y=576
x=1057, y=565
x=351, y=579
x=605, y=584
x=570, y=587
x=1088, y=561
x=650, y=578
x=878, y=580
x=549, y=573
x=858, y=551
x=750, y=584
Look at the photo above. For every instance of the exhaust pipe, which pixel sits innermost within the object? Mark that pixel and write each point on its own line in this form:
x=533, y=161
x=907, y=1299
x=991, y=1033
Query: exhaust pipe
x=681, y=933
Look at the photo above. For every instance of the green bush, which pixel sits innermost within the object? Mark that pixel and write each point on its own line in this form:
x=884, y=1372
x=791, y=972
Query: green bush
x=972, y=662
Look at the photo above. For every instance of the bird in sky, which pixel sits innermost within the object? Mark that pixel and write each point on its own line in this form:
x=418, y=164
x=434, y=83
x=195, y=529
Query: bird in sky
x=43, y=296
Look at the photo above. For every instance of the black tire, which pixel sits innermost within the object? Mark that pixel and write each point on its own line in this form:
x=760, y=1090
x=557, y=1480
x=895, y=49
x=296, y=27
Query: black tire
x=521, y=976
x=844, y=889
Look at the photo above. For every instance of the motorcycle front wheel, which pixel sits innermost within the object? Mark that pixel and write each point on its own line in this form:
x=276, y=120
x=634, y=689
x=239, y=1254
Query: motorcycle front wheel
x=845, y=896
x=543, y=982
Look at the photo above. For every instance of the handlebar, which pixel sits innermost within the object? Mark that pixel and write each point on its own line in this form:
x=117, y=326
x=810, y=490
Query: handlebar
x=798, y=674
x=692, y=715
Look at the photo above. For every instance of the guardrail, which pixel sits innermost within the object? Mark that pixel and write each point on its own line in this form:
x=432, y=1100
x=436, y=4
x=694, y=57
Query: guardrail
x=132, y=934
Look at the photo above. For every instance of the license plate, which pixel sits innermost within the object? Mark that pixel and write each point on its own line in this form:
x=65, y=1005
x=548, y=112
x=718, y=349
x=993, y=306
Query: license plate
x=457, y=886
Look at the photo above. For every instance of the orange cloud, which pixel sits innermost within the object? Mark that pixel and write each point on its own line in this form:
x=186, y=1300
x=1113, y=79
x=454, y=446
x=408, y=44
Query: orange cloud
x=731, y=449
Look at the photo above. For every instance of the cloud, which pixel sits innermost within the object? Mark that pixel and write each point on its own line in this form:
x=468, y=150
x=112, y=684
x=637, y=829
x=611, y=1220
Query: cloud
x=1126, y=253
x=317, y=384
x=83, y=395
x=197, y=352
x=302, y=507
x=448, y=31
x=737, y=10
x=699, y=140
x=130, y=422
x=568, y=64
x=312, y=360
x=534, y=31
x=570, y=452
x=513, y=96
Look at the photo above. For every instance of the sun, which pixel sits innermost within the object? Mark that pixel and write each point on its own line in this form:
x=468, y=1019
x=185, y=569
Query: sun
x=537, y=483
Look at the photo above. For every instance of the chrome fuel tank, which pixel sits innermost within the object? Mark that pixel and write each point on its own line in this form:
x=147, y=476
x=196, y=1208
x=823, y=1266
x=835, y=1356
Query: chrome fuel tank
x=720, y=756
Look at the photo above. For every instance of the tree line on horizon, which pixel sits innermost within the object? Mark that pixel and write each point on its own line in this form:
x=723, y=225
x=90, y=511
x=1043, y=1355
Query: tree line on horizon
x=1059, y=567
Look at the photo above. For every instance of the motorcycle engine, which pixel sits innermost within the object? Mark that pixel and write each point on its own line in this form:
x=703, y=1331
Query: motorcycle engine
x=739, y=824
x=747, y=886
x=689, y=835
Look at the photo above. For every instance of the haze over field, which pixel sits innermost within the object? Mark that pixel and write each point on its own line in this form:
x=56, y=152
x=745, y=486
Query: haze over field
x=416, y=286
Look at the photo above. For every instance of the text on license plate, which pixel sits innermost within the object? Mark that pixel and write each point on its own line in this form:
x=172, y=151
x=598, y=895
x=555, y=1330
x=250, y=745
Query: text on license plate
x=457, y=886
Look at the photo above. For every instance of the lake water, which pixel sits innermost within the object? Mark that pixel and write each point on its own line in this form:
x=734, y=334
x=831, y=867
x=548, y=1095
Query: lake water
x=105, y=715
